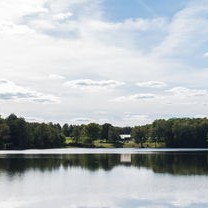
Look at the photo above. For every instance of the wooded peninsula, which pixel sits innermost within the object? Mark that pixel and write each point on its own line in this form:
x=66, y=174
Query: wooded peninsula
x=17, y=134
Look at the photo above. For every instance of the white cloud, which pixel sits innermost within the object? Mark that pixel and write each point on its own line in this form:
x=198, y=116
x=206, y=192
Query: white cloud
x=13, y=203
x=144, y=96
x=152, y=84
x=136, y=116
x=41, y=38
x=129, y=24
x=91, y=84
x=134, y=97
x=56, y=77
x=185, y=35
x=200, y=116
x=186, y=92
x=9, y=28
x=11, y=91
x=136, y=119
x=63, y=16
x=35, y=119
x=206, y=54
x=82, y=120
x=25, y=7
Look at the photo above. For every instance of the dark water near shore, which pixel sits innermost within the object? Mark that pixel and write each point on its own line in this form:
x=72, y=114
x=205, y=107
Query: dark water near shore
x=43, y=179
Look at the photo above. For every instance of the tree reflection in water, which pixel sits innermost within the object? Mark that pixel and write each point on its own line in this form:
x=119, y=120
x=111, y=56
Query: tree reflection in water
x=178, y=163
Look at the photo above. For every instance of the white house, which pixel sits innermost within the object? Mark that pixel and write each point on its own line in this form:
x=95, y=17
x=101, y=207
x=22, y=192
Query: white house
x=125, y=136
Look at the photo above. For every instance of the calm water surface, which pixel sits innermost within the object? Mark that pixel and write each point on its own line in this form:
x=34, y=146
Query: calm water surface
x=104, y=178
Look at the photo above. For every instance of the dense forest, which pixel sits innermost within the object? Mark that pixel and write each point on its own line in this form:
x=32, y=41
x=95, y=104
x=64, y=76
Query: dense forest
x=16, y=133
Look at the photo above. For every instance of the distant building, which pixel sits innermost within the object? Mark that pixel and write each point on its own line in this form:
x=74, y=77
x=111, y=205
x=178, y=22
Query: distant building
x=125, y=136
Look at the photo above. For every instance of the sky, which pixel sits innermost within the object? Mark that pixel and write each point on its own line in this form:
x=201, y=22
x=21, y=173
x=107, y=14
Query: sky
x=127, y=62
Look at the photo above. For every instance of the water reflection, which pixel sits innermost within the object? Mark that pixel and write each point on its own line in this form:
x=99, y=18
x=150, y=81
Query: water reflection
x=171, y=179
x=178, y=163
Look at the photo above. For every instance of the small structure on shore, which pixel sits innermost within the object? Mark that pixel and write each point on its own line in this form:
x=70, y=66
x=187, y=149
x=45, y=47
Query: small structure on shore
x=125, y=137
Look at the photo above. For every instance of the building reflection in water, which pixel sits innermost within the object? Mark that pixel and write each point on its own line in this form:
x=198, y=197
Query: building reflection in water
x=125, y=158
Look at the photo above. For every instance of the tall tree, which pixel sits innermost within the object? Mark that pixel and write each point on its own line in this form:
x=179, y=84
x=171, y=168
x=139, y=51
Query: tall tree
x=93, y=131
x=113, y=135
x=4, y=132
x=104, y=135
x=138, y=134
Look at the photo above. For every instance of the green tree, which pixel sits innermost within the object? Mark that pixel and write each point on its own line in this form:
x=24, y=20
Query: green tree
x=92, y=131
x=114, y=136
x=4, y=133
x=66, y=130
x=19, y=132
x=76, y=133
x=104, y=135
x=138, y=134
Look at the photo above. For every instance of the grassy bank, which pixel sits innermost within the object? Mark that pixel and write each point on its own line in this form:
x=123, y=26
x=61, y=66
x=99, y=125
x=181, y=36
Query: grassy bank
x=102, y=144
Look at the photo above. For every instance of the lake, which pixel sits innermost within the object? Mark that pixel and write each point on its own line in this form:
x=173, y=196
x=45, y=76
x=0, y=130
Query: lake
x=101, y=178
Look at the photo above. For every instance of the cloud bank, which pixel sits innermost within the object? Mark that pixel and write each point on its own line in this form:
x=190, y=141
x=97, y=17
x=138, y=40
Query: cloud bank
x=155, y=65
x=12, y=92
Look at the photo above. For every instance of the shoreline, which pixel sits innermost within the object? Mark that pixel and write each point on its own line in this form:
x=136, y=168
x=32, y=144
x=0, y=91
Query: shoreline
x=103, y=151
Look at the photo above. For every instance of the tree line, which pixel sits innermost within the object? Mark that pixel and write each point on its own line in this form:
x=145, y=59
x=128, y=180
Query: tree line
x=176, y=132
x=16, y=133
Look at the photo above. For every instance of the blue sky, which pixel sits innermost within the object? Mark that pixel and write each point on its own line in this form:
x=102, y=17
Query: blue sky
x=118, y=61
x=119, y=10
